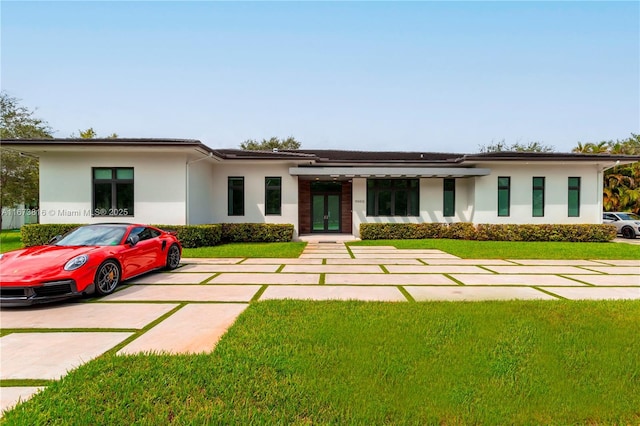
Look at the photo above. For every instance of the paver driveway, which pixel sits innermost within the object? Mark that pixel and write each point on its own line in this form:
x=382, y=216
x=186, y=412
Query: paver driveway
x=188, y=310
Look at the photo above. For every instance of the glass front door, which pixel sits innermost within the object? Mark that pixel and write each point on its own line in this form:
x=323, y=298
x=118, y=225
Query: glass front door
x=326, y=213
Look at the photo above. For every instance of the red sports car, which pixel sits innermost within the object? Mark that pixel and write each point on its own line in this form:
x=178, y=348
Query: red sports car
x=89, y=259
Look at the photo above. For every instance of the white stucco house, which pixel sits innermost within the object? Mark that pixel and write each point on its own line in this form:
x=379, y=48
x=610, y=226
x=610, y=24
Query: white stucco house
x=179, y=181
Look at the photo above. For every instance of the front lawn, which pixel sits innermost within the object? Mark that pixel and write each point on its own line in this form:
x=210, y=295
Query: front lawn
x=294, y=362
x=515, y=249
x=10, y=240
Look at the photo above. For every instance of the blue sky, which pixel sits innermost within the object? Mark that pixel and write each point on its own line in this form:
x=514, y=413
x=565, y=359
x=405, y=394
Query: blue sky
x=414, y=76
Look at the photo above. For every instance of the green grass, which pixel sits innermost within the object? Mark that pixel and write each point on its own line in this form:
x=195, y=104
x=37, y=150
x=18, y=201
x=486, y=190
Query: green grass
x=10, y=240
x=292, y=249
x=515, y=249
x=294, y=362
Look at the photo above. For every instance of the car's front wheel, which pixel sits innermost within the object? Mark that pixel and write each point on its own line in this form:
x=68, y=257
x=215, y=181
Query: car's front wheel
x=107, y=277
x=173, y=257
x=628, y=232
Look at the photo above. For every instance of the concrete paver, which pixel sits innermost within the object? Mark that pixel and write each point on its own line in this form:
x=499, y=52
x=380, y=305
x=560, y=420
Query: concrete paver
x=618, y=270
x=195, y=328
x=622, y=262
x=462, y=293
x=10, y=396
x=321, y=292
x=266, y=279
x=52, y=355
x=396, y=255
x=544, y=269
x=554, y=262
x=338, y=269
x=190, y=293
x=171, y=278
x=85, y=315
x=387, y=279
x=325, y=256
x=522, y=279
x=282, y=261
x=609, y=280
x=436, y=269
x=229, y=268
x=374, y=261
x=466, y=261
x=596, y=293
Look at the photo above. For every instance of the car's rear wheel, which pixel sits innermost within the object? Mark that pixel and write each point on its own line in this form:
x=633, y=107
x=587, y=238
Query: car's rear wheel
x=628, y=232
x=107, y=277
x=173, y=257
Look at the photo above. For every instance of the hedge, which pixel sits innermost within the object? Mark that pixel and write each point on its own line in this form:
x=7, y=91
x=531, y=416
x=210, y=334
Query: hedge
x=256, y=232
x=488, y=232
x=40, y=234
x=190, y=236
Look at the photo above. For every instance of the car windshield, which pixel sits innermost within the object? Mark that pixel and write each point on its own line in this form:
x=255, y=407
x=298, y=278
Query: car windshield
x=99, y=235
x=628, y=216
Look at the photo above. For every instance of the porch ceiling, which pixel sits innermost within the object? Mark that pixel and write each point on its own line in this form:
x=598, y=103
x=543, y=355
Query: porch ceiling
x=350, y=172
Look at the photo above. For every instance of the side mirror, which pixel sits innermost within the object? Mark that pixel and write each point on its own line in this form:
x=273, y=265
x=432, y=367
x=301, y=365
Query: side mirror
x=54, y=239
x=132, y=240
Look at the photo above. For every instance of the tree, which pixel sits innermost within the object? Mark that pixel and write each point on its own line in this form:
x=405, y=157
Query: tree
x=18, y=172
x=503, y=146
x=270, y=144
x=91, y=134
x=621, y=190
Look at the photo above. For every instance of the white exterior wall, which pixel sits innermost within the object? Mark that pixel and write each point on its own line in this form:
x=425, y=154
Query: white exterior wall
x=556, y=193
x=431, y=203
x=200, y=190
x=159, y=186
x=254, y=174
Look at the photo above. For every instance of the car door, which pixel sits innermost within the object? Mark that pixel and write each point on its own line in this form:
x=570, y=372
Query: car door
x=143, y=256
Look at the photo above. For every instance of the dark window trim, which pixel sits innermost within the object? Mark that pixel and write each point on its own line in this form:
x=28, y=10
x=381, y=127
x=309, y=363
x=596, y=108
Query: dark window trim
x=452, y=190
x=536, y=188
x=235, y=187
x=508, y=189
x=113, y=211
x=376, y=189
x=576, y=188
x=268, y=188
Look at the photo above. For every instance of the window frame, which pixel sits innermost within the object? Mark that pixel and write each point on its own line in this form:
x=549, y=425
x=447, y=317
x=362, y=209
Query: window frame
x=393, y=189
x=538, y=189
x=231, y=187
x=571, y=188
x=267, y=189
x=449, y=210
x=112, y=211
x=506, y=188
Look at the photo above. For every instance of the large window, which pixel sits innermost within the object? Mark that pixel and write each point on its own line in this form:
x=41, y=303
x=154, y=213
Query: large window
x=235, y=198
x=393, y=197
x=449, y=197
x=574, y=197
x=112, y=191
x=504, y=195
x=273, y=195
x=537, y=201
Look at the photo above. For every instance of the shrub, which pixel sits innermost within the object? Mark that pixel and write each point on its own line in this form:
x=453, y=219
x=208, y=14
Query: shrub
x=192, y=236
x=488, y=232
x=256, y=232
x=40, y=234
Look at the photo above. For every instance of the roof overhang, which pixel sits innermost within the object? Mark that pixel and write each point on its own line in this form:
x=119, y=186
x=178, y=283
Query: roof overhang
x=388, y=172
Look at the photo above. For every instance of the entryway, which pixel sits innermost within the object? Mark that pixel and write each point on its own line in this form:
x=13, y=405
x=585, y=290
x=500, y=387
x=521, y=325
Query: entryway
x=325, y=207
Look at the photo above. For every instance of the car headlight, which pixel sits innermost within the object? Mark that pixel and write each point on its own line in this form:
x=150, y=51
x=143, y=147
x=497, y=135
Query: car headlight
x=76, y=262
